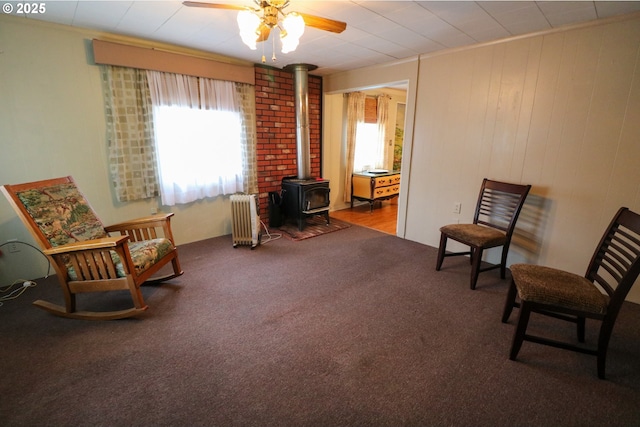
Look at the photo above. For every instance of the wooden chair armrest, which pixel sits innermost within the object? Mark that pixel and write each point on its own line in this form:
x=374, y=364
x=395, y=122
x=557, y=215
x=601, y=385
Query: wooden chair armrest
x=104, y=243
x=145, y=228
x=157, y=220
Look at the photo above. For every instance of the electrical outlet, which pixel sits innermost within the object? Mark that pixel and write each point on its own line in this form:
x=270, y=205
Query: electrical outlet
x=457, y=207
x=154, y=211
x=13, y=247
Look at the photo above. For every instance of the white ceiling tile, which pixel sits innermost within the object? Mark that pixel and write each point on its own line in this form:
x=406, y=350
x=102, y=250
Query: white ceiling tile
x=489, y=34
x=455, y=11
x=377, y=31
x=146, y=17
x=383, y=44
x=607, y=9
x=406, y=37
x=211, y=35
x=518, y=17
x=469, y=18
x=60, y=12
x=341, y=10
x=100, y=14
x=568, y=12
x=441, y=32
x=411, y=12
x=187, y=21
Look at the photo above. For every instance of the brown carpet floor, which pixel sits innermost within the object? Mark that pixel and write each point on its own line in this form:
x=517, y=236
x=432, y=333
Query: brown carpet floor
x=351, y=328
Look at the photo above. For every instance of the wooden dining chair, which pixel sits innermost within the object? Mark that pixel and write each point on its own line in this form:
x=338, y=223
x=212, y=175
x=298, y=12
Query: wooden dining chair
x=84, y=255
x=598, y=294
x=499, y=205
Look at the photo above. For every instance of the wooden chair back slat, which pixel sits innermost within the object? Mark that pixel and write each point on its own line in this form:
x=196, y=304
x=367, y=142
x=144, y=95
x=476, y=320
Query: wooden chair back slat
x=617, y=258
x=498, y=208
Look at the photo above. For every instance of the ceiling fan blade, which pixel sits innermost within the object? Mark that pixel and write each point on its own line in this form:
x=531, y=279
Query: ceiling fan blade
x=325, y=24
x=318, y=22
x=214, y=5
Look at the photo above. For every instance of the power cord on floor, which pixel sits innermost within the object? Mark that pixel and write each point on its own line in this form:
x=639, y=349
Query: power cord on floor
x=274, y=236
x=31, y=246
x=24, y=284
x=15, y=293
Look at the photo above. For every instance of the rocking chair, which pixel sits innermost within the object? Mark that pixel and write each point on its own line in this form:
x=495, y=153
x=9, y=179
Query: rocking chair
x=84, y=255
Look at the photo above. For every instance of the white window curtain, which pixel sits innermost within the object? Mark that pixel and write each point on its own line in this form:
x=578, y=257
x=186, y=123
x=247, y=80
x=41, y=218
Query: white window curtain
x=384, y=144
x=246, y=95
x=198, y=137
x=355, y=115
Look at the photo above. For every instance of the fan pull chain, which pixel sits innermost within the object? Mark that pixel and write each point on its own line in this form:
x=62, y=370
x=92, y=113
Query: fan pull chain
x=273, y=48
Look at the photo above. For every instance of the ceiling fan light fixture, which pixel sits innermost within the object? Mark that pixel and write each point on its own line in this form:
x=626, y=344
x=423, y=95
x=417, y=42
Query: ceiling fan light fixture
x=256, y=23
x=293, y=29
x=249, y=24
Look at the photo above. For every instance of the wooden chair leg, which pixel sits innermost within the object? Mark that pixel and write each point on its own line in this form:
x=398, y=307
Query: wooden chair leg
x=136, y=295
x=603, y=344
x=521, y=328
x=176, y=267
x=69, y=297
x=441, y=251
x=601, y=364
x=475, y=266
x=510, y=302
x=503, y=262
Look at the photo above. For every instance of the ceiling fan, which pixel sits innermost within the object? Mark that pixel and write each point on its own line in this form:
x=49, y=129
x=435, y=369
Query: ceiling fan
x=257, y=22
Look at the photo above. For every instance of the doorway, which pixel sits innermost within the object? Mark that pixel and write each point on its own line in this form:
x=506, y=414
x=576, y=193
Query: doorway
x=384, y=215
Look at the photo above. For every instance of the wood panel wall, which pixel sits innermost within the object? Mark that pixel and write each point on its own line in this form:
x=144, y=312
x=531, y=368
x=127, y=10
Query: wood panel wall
x=559, y=111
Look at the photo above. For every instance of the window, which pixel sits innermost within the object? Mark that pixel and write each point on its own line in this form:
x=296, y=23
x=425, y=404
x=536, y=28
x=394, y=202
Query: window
x=181, y=137
x=199, y=136
x=367, y=155
x=199, y=153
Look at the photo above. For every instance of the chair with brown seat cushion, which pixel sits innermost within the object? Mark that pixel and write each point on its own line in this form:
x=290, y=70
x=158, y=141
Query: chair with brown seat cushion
x=499, y=205
x=598, y=294
x=86, y=258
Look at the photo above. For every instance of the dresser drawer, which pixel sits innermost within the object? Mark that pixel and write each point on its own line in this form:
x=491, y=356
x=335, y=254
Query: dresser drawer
x=386, y=191
x=381, y=182
x=384, y=181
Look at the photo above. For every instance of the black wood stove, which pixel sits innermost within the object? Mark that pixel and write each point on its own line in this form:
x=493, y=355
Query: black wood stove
x=302, y=198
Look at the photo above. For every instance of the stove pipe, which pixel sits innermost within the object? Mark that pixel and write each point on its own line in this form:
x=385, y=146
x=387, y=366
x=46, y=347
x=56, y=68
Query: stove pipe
x=301, y=102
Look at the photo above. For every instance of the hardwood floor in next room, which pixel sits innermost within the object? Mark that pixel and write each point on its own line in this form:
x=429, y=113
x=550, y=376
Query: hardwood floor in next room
x=383, y=218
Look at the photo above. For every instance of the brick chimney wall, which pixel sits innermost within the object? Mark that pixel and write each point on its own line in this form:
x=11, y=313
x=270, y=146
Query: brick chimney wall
x=276, y=129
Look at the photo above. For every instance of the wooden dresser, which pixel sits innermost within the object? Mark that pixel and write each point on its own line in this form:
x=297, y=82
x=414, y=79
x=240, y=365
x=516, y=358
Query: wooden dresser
x=373, y=186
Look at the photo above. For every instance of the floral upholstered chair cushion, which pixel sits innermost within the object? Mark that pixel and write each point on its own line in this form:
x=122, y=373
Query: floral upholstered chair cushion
x=64, y=216
x=144, y=254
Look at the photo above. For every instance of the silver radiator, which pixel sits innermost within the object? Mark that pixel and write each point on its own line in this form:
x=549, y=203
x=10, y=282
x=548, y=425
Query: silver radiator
x=245, y=222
